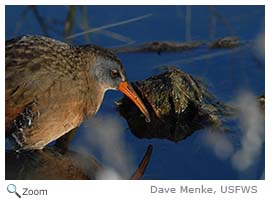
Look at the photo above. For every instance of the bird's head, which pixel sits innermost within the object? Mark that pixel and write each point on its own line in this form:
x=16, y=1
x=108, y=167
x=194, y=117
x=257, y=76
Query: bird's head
x=109, y=72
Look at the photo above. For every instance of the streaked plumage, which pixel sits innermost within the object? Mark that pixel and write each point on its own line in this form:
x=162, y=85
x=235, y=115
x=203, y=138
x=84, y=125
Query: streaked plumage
x=51, y=87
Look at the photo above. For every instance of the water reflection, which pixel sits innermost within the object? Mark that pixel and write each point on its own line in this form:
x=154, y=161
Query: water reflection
x=52, y=163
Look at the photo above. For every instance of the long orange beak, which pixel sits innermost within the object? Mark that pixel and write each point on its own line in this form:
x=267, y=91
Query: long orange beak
x=128, y=90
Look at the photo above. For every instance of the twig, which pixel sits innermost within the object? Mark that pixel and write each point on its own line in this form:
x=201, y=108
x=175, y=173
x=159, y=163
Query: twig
x=69, y=22
x=143, y=164
x=117, y=36
x=39, y=19
x=212, y=25
x=223, y=19
x=205, y=56
x=109, y=26
x=85, y=25
x=225, y=42
x=188, y=23
x=159, y=47
x=20, y=22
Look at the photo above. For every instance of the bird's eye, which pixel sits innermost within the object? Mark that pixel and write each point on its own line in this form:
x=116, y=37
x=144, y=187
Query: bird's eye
x=114, y=73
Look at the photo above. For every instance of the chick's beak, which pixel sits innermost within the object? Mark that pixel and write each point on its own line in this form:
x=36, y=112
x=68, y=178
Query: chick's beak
x=128, y=90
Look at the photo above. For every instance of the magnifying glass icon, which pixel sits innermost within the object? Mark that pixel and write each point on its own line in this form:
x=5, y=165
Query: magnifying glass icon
x=12, y=189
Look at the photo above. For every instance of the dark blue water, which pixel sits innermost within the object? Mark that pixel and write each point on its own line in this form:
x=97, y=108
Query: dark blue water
x=226, y=74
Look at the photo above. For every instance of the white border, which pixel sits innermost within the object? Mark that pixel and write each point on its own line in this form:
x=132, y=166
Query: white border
x=140, y=189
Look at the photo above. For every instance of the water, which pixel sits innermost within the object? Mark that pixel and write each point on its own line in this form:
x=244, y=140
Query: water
x=227, y=72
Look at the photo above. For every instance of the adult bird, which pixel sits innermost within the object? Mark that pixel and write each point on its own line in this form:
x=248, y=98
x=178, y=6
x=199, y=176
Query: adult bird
x=52, y=87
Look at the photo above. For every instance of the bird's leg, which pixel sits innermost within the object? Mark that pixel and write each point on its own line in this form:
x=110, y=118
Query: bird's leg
x=63, y=142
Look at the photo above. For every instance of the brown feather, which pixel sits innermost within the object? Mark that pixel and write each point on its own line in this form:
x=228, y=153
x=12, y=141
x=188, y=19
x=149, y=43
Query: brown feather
x=51, y=78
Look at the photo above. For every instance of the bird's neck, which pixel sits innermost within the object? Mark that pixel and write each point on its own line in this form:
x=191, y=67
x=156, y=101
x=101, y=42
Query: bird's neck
x=93, y=99
x=93, y=91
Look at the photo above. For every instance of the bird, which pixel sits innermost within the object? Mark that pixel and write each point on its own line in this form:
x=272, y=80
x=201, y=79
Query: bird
x=51, y=87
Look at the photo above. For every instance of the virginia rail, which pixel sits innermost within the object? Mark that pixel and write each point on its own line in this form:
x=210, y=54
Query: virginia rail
x=51, y=87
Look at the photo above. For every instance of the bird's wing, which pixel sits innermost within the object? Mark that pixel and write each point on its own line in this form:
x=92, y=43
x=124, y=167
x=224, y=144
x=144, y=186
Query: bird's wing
x=32, y=68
